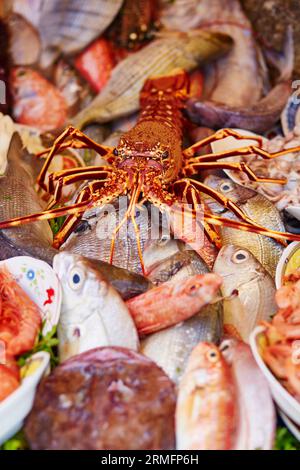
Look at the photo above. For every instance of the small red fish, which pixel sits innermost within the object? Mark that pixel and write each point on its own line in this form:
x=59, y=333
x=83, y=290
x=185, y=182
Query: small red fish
x=37, y=102
x=172, y=302
x=206, y=413
x=96, y=63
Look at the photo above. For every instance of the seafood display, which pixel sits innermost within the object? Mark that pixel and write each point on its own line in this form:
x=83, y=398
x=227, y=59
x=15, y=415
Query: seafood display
x=149, y=225
x=248, y=289
x=121, y=94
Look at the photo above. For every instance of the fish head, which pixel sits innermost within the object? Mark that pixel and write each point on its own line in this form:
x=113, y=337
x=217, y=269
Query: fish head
x=227, y=188
x=234, y=262
x=205, y=356
x=82, y=285
x=202, y=285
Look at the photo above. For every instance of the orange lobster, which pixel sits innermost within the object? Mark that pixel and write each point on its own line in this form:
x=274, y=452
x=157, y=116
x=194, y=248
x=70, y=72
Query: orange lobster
x=149, y=165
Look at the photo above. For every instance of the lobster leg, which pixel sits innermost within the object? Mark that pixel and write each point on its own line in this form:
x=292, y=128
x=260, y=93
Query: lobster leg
x=130, y=213
x=228, y=204
x=68, y=177
x=242, y=152
x=60, y=144
x=192, y=168
x=219, y=135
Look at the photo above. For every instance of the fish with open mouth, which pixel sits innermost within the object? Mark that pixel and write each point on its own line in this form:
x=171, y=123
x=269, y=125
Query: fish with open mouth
x=18, y=198
x=248, y=289
x=93, y=313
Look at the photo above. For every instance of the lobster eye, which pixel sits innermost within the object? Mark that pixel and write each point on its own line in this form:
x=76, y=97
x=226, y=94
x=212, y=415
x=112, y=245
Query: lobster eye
x=240, y=256
x=116, y=152
x=165, y=154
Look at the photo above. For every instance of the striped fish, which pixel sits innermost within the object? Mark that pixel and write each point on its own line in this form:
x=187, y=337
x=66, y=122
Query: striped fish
x=120, y=97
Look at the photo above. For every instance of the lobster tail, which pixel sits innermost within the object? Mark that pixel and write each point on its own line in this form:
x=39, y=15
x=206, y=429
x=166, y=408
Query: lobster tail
x=172, y=87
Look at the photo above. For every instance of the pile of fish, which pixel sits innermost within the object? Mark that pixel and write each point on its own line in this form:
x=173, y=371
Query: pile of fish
x=155, y=356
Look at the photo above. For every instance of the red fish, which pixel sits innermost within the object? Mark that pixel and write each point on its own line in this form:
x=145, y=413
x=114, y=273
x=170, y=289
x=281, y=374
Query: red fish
x=96, y=63
x=37, y=102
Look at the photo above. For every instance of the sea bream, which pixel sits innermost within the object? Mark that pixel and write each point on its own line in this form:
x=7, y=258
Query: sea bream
x=248, y=288
x=260, y=210
x=93, y=313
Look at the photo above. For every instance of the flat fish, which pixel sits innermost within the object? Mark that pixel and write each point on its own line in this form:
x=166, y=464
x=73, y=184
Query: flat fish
x=18, y=198
x=120, y=97
x=170, y=348
x=248, y=289
x=259, y=209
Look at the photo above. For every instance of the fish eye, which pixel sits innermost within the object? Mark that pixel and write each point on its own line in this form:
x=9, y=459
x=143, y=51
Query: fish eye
x=212, y=356
x=116, y=151
x=240, y=256
x=226, y=187
x=76, y=278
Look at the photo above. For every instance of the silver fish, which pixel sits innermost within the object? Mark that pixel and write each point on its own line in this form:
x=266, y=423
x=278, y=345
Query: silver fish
x=170, y=348
x=67, y=26
x=93, y=313
x=248, y=289
x=259, y=209
x=92, y=237
x=121, y=95
x=18, y=198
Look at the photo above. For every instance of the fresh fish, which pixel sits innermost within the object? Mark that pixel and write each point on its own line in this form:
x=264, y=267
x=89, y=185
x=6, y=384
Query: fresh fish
x=248, y=289
x=126, y=283
x=259, y=117
x=172, y=302
x=258, y=208
x=236, y=80
x=171, y=347
x=206, y=412
x=67, y=26
x=92, y=237
x=36, y=102
x=93, y=313
x=96, y=63
x=120, y=96
x=18, y=198
x=257, y=417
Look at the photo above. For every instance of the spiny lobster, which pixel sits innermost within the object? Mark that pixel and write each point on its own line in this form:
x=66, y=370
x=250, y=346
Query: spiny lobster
x=149, y=165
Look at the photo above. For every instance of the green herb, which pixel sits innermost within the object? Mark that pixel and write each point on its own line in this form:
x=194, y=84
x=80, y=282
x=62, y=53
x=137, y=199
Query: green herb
x=17, y=442
x=285, y=440
x=46, y=343
x=56, y=224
